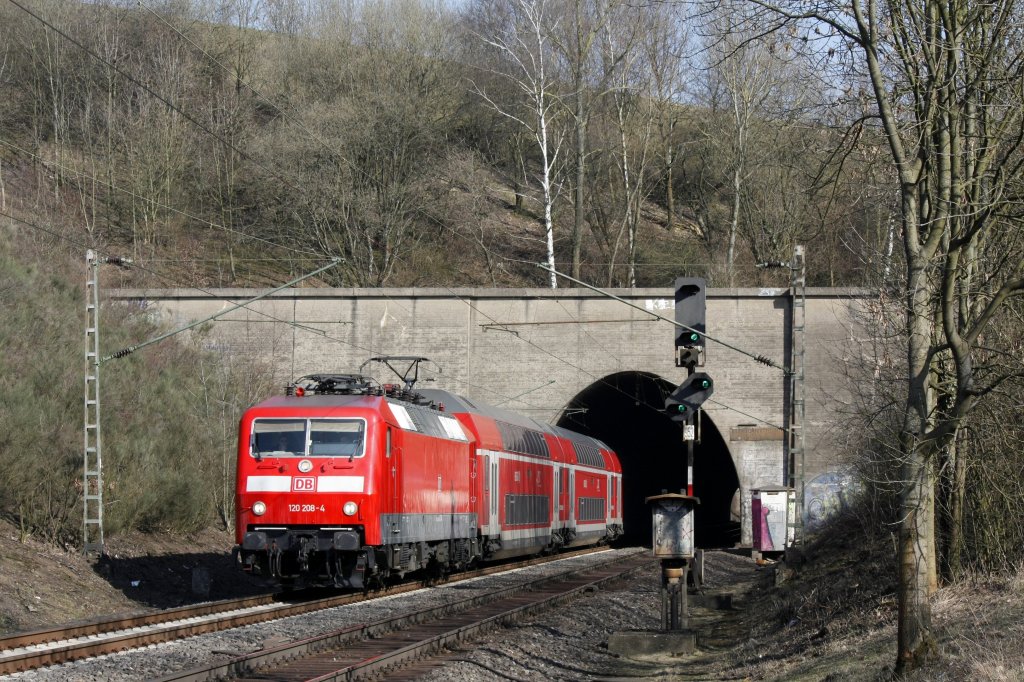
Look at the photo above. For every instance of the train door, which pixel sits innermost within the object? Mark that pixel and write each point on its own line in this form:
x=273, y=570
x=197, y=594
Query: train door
x=495, y=496
x=391, y=475
x=572, y=498
x=393, y=456
x=616, y=501
x=612, y=498
x=556, y=500
x=563, y=495
x=474, y=483
x=485, y=522
x=557, y=496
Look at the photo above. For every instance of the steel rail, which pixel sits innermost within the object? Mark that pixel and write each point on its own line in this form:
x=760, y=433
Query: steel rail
x=384, y=645
x=96, y=626
x=75, y=641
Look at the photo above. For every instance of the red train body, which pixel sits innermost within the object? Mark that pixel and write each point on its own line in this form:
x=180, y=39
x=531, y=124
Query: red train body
x=348, y=484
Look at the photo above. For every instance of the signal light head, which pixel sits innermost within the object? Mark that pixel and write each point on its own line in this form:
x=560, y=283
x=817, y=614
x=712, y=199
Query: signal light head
x=689, y=395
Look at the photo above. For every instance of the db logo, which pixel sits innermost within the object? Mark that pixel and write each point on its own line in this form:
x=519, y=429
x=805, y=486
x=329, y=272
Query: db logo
x=303, y=484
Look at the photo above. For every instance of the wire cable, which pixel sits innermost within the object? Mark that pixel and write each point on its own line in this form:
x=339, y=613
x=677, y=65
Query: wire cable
x=756, y=357
x=284, y=114
x=633, y=397
x=220, y=138
x=272, y=318
x=154, y=202
x=173, y=107
x=164, y=278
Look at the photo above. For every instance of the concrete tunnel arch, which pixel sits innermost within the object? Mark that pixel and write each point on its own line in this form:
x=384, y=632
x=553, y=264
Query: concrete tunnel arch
x=626, y=411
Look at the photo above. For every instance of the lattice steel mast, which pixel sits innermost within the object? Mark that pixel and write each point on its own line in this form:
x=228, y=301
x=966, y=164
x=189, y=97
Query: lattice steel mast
x=92, y=469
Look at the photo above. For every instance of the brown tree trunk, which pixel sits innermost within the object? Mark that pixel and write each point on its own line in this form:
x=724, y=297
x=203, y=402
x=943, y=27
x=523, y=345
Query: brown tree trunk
x=916, y=532
x=955, y=494
x=916, y=644
x=931, y=548
x=670, y=197
x=577, y=223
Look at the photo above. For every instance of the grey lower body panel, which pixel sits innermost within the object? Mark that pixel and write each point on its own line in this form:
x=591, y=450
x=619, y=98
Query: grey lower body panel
x=587, y=537
x=519, y=546
x=399, y=529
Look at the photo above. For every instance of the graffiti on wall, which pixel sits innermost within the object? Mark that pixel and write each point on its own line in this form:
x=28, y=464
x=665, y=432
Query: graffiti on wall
x=826, y=495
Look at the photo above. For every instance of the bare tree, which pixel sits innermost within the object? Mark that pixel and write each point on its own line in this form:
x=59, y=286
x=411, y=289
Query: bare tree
x=666, y=62
x=154, y=139
x=376, y=85
x=575, y=35
x=944, y=79
x=521, y=39
x=634, y=114
x=236, y=55
x=747, y=78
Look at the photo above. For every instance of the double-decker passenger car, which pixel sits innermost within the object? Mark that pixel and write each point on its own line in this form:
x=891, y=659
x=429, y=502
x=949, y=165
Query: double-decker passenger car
x=346, y=482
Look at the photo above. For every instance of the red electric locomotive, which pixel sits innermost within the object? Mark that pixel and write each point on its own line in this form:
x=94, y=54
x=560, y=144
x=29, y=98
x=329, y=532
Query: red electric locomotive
x=346, y=482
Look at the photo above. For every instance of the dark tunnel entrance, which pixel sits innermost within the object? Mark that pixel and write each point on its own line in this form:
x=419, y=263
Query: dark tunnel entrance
x=626, y=411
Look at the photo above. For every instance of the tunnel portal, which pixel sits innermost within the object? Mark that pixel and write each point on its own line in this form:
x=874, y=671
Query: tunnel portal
x=626, y=411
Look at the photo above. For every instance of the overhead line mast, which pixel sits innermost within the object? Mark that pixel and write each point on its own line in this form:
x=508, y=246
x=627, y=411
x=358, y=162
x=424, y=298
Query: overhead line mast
x=796, y=418
x=92, y=469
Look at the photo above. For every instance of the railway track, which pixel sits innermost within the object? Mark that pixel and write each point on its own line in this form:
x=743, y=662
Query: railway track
x=397, y=646
x=52, y=646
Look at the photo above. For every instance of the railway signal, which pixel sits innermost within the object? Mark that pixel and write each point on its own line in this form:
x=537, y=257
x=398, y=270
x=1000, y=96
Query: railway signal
x=691, y=300
x=690, y=395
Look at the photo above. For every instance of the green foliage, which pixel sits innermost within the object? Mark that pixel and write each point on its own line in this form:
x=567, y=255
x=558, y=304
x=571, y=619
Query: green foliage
x=169, y=413
x=40, y=400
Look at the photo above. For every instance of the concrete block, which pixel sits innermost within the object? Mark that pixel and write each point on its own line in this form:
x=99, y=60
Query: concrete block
x=650, y=642
x=714, y=602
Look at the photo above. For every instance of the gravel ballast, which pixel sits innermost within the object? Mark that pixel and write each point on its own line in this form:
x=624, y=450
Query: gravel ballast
x=566, y=643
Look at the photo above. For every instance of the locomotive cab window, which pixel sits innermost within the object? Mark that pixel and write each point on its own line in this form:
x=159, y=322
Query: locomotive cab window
x=324, y=437
x=279, y=437
x=336, y=438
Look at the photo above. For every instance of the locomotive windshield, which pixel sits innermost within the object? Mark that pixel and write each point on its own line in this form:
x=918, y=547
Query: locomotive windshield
x=308, y=437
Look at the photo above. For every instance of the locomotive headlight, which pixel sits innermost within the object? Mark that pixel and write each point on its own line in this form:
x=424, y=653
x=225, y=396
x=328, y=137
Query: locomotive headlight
x=305, y=466
x=259, y=508
x=350, y=508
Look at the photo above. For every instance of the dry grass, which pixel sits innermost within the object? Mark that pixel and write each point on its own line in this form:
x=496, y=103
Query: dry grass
x=42, y=585
x=833, y=617
x=979, y=627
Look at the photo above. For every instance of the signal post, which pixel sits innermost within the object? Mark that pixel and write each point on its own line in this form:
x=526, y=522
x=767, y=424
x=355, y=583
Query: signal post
x=672, y=514
x=683, y=406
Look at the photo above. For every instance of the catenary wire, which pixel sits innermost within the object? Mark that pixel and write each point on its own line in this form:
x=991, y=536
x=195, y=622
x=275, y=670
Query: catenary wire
x=356, y=346
x=213, y=295
x=199, y=124
x=132, y=194
x=601, y=380
x=220, y=138
x=754, y=356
